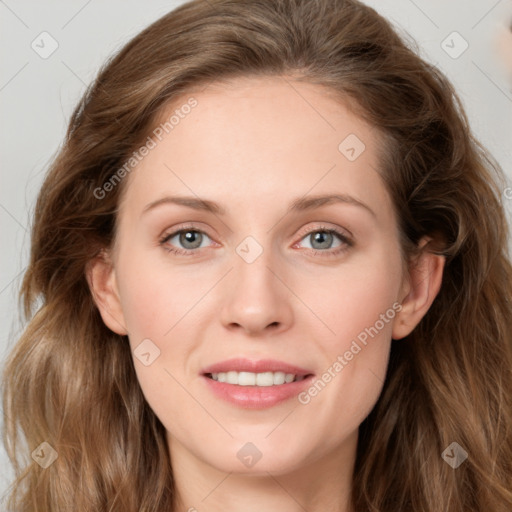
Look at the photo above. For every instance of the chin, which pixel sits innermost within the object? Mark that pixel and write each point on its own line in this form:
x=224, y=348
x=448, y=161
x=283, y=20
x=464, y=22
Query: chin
x=257, y=458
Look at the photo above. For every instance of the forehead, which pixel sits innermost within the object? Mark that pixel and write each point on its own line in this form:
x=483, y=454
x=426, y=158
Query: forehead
x=254, y=139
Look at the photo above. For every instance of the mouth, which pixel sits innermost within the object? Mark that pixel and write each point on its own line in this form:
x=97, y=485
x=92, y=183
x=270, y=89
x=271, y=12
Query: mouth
x=264, y=379
x=255, y=384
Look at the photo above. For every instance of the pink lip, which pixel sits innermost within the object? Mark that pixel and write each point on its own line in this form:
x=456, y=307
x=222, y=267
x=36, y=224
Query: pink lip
x=256, y=397
x=263, y=365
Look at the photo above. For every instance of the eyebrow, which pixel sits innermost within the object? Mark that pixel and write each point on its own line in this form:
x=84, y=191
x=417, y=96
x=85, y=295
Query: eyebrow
x=298, y=205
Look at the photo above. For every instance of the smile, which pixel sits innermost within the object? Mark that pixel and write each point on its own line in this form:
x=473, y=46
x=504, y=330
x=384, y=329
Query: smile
x=253, y=384
x=264, y=379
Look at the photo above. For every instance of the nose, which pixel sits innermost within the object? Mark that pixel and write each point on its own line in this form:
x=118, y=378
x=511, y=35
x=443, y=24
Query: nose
x=257, y=299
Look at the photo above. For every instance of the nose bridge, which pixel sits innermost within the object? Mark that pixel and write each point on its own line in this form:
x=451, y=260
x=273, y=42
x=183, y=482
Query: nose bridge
x=256, y=297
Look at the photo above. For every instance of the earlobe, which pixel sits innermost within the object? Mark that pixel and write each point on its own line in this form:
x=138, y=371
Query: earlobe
x=102, y=283
x=424, y=283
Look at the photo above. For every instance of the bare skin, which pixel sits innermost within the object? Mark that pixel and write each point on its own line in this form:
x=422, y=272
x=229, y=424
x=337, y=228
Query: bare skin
x=254, y=146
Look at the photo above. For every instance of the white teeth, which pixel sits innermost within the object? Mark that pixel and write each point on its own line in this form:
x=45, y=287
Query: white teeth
x=255, y=379
x=243, y=379
x=289, y=377
x=279, y=378
x=265, y=379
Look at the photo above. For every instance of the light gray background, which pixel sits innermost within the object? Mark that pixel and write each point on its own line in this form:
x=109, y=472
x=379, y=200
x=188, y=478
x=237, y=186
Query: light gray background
x=37, y=96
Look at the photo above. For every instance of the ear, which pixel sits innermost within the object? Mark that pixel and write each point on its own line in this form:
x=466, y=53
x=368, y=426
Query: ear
x=102, y=283
x=422, y=286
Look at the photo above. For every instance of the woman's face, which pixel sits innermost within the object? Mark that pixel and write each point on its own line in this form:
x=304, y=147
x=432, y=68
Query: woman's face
x=270, y=279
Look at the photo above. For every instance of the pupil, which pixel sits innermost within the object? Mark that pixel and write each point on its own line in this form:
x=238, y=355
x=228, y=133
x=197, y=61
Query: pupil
x=191, y=237
x=323, y=238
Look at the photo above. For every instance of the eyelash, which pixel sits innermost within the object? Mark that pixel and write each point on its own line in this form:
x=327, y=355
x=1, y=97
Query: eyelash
x=346, y=241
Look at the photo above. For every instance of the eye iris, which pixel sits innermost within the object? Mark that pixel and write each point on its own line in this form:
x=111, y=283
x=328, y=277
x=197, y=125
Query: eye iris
x=323, y=238
x=193, y=237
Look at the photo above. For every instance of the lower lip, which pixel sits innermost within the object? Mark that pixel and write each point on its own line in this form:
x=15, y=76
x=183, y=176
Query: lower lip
x=257, y=397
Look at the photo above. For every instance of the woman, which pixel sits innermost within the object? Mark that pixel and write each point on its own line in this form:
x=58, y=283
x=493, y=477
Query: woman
x=268, y=272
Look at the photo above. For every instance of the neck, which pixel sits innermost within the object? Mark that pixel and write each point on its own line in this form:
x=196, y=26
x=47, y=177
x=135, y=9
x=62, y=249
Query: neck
x=317, y=485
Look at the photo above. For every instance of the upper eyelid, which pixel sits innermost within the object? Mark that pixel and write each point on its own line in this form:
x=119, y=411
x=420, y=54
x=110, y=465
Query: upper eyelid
x=166, y=235
x=336, y=230
x=184, y=227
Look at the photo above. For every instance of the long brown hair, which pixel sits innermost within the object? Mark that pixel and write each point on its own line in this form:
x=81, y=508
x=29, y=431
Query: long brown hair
x=70, y=381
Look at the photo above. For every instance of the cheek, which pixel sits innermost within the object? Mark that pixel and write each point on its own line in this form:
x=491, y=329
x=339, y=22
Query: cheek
x=155, y=300
x=152, y=307
x=360, y=305
x=355, y=296
x=152, y=299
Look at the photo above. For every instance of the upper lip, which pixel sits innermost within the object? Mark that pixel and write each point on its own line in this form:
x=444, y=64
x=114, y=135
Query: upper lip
x=260, y=366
